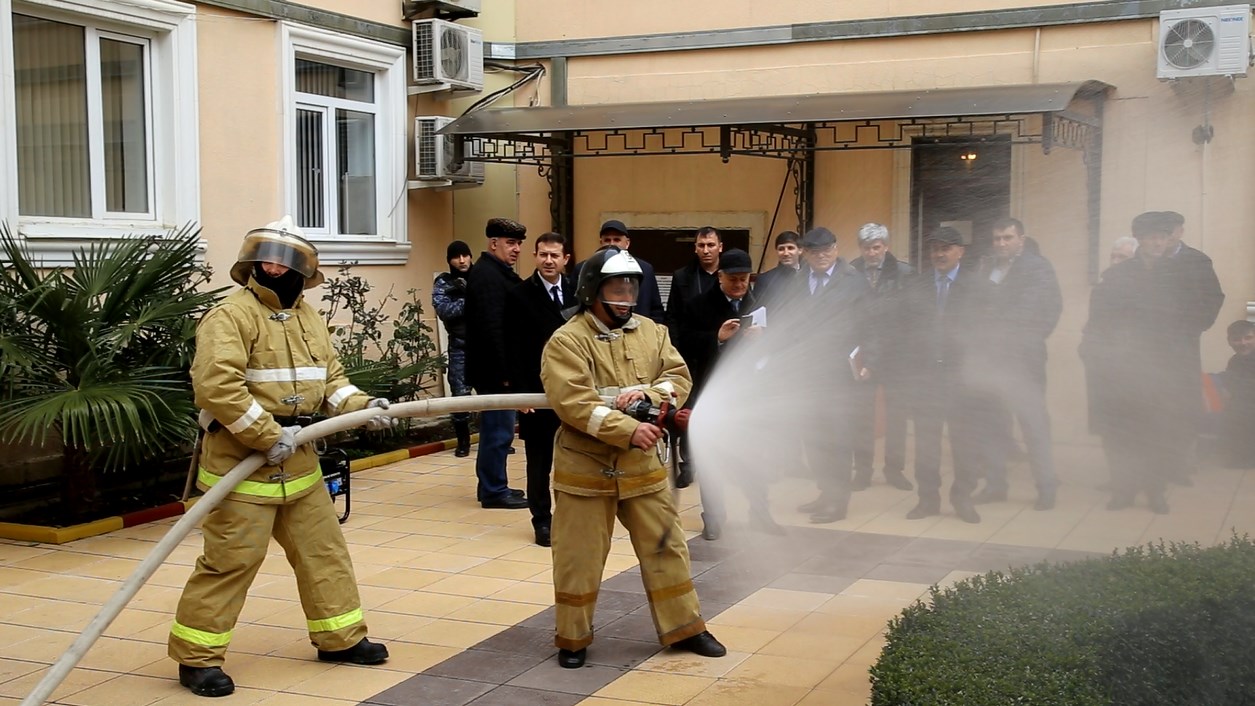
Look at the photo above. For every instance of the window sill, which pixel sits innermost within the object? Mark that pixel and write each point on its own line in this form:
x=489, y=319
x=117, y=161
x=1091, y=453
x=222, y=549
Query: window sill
x=360, y=252
x=56, y=244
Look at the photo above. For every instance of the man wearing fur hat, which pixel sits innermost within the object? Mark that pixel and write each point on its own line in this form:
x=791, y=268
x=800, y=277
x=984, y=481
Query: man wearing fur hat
x=264, y=365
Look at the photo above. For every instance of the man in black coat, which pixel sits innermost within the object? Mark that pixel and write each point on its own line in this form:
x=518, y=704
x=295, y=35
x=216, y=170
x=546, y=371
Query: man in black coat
x=711, y=324
x=649, y=303
x=697, y=276
x=780, y=278
x=488, y=355
x=535, y=308
x=1024, y=311
x=1152, y=309
x=886, y=276
x=939, y=322
x=827, y=314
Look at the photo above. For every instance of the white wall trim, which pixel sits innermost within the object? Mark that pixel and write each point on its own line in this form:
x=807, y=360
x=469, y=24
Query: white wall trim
x=390, y=246
x=171, y=28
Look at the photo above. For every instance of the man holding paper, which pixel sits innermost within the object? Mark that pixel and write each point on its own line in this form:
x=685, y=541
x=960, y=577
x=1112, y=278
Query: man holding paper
x=711, y=322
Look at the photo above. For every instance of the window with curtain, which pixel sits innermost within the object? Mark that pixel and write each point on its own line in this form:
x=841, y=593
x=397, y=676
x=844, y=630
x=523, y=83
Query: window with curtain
x=82, y=120
x=337, y=163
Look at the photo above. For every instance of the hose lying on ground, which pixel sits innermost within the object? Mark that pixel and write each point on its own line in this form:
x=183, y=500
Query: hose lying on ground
x=110, y=610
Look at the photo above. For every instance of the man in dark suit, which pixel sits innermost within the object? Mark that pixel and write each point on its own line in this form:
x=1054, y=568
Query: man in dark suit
x=886, y=275
x=940, y=315
x=828, y=310
x=780, y=278
x=488, y=355
x=1026, y=306
x=710, y=325
x=649, y=303
x=696, y=277
x=535, y=308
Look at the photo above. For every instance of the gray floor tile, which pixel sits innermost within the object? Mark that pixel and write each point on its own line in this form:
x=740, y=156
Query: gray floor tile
x=908, y=573
x=517, y=696
x=486, y=666
x=427, y=689
x=620, y=653
x=549, y=676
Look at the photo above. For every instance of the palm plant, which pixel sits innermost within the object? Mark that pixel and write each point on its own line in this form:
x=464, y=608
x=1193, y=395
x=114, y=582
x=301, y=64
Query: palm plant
x=95, y=357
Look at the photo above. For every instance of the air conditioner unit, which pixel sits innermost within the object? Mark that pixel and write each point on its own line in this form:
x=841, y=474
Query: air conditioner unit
x=447, y=56
x=1205, y=41
x=433, y=154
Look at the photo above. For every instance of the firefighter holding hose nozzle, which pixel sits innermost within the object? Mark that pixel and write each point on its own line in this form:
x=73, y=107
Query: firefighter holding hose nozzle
x=605, y=461
x=264, y=365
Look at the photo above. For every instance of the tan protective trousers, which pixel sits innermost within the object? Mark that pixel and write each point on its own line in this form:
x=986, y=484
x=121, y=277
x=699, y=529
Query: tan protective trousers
x=582, y=528
x=237, y=535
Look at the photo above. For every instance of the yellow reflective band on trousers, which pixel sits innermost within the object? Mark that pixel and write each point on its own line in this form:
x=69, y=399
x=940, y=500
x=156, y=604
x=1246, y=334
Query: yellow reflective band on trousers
x=264, y=490
x=200, y=637
x=340, y=621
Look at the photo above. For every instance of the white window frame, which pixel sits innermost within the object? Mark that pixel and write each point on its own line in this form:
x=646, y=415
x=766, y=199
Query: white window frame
x=390, y=245
x=169, y=28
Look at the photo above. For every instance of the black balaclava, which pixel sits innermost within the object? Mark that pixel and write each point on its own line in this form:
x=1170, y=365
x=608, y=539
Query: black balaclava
x=287, y=286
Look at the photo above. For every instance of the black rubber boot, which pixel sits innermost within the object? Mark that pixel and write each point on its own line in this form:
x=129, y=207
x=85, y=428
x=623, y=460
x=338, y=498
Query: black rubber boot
x=206, y=681
x=364, y=652
x=463, y=429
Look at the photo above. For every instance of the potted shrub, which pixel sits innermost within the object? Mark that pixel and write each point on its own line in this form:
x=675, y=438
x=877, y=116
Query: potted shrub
x=94, y=357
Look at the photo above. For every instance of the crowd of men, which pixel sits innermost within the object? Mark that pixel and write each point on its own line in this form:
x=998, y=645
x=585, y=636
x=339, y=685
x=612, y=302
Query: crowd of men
x=956, y=347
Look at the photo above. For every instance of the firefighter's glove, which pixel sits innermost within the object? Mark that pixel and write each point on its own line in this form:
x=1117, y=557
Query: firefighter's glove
x=379, y=421
x=284, y=447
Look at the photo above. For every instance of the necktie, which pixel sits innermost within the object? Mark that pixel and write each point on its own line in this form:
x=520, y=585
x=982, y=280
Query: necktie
x=736, y=306
x=557, y=294
x=943, y=291
x=874, y=277
x=819, y=280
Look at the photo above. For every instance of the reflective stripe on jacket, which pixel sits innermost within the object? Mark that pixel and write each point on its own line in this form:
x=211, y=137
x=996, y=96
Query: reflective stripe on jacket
x=584, y=360
x=255, y=361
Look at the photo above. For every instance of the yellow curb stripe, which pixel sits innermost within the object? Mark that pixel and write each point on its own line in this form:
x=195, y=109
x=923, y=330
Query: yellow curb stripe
x=362, y=464
x=58, y=535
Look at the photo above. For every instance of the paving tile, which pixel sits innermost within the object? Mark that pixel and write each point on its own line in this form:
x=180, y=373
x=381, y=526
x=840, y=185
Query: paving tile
x=629, y=627
x=549, y=676
x=813, y=583
x=486, y=666
x=520, y=640
x=427, y=689
x=620, y=653
x=1000, y=557
x=908, y=573
x=518, y=696
x=656, y=688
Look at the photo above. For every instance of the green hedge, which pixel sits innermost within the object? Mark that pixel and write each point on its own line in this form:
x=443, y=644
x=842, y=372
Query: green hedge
x=1161, y=624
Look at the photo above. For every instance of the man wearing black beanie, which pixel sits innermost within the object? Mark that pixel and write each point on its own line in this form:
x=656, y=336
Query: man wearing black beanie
x=448, y=298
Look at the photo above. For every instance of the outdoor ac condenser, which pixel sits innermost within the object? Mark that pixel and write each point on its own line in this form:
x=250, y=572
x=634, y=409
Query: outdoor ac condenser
x=1205, y=41
x=433, y=154
x=447, y=56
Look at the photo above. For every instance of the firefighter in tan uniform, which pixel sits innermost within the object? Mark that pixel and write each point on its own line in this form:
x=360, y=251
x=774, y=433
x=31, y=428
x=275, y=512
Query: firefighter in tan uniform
x=264, y=363
x=606, y=464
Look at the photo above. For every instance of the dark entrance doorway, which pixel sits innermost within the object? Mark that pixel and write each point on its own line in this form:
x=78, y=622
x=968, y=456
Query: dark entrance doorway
x=669, y=249
x=960, y=182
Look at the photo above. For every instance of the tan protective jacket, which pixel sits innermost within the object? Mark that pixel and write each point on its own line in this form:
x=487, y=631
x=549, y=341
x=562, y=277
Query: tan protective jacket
x=584, y=360
x=255, y=361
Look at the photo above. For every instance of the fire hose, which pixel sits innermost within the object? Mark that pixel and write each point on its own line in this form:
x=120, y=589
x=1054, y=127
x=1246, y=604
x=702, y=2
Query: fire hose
x=110, y=610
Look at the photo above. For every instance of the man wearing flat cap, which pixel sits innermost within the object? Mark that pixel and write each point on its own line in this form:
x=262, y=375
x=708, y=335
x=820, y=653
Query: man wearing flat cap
x=711, y=324
x=1152, y=307
x=829, y=309
x=941, y=313
x=487, y=357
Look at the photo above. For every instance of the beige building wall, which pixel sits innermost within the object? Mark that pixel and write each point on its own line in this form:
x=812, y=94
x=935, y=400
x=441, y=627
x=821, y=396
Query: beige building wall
x=1150, y=161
